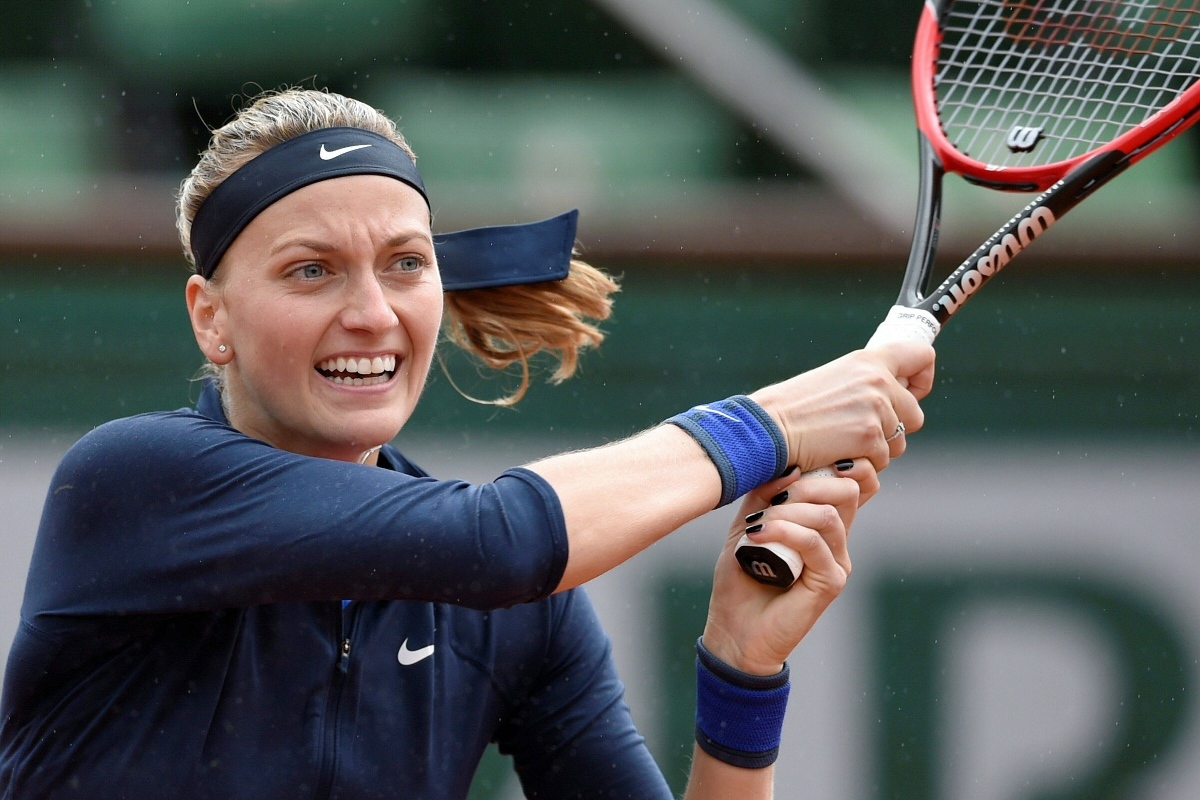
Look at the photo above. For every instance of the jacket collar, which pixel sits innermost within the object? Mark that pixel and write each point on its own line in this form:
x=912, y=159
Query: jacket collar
x=209, y=405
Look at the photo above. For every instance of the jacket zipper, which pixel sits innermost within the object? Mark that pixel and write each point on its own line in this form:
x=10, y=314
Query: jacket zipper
x=333, y=705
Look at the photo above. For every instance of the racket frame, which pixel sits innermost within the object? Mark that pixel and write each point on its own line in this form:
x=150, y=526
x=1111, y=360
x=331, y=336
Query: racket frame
x=1136, y=143
x=1063, y=184
x=919, y=314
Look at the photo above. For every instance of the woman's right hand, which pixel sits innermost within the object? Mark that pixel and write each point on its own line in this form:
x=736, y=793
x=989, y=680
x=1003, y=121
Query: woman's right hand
x=850, y=407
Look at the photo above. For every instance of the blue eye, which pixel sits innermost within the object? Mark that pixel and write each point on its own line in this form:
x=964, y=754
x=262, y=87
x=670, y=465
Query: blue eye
x=311, y=271
x=410, y=263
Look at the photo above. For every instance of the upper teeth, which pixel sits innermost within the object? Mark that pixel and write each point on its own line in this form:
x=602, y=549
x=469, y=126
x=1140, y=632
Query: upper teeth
x=361, y=366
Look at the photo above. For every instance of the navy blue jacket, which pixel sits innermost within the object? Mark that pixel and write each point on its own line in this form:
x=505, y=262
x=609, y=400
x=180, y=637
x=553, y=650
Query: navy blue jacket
x=184, y=632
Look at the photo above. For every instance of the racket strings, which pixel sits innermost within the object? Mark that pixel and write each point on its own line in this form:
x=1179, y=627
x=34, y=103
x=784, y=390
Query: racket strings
x=1032, y=82
x=1128, y=28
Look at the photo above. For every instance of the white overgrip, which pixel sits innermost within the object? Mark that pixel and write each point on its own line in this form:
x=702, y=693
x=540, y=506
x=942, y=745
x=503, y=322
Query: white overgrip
x=904, y=324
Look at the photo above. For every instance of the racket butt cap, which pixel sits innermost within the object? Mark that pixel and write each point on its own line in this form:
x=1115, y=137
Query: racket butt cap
x=768, y=562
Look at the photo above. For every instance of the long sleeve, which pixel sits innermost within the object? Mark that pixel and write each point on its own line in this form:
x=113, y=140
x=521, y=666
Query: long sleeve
x=174, y=512
x=573, y=736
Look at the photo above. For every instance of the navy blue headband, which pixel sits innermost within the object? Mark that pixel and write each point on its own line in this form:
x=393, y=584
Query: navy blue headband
x=478, y=258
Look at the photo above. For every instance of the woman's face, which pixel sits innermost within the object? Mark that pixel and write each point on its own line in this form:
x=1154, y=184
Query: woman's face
x=329, y=305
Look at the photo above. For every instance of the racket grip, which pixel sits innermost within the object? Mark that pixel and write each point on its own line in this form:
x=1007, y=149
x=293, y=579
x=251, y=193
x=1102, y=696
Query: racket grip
x=773, y=563
x=779, y=565
x=904, y=324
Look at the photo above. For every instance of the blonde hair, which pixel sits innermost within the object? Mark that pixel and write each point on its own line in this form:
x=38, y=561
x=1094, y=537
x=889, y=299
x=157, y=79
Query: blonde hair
x=499, y=327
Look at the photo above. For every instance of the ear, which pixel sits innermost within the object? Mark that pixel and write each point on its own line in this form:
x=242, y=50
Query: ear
x=204, y=309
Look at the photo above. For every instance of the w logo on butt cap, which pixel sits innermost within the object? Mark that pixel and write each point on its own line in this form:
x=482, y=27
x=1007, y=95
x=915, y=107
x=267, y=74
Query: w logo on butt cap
x=328, y=155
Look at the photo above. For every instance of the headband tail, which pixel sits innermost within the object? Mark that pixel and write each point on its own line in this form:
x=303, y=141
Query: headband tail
x=507, y=255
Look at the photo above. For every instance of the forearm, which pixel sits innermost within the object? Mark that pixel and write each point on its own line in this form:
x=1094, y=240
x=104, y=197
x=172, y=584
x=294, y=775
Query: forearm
x=711, y=779
x=620, y=499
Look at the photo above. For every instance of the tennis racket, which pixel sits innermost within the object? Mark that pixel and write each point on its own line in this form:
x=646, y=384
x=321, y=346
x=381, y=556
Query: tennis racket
x=1050, y=96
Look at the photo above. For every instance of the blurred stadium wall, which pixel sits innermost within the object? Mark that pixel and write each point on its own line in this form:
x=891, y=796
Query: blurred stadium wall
x=1023, y=617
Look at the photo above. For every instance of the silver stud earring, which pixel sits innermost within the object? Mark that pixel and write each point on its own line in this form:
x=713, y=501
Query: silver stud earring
x=222, y=349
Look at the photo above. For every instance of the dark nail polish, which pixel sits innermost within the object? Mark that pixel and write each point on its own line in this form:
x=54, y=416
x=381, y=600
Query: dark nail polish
x=844, y=465
x=755, y=517
x=788, y=471
x=754, y=528
x=779, y=499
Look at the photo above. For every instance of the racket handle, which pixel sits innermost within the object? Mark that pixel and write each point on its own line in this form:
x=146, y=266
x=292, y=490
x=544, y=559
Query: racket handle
x=779, y=565
x=904, y=324
x=773, y=563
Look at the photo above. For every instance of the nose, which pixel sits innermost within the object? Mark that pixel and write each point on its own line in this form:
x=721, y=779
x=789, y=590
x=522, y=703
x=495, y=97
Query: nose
x=366, y=305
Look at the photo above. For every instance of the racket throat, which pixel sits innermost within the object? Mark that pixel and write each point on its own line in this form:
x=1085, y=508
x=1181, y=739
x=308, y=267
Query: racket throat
x=926, y=227
x=1020, y=232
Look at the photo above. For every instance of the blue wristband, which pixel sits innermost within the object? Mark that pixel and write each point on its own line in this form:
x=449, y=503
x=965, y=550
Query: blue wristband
x=742, y=440
x=739, y=717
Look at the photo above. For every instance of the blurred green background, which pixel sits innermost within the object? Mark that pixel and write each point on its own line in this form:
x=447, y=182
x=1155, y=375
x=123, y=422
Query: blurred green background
x=516, y=107
x=1042, y=355
x=741, y=263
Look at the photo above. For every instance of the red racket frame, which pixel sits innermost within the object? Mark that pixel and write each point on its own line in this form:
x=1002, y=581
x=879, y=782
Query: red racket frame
x=1136, y=143
x=919, y=314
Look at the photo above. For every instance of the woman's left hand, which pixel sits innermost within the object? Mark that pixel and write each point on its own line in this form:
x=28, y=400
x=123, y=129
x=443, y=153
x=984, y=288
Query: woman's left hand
x=753, y=627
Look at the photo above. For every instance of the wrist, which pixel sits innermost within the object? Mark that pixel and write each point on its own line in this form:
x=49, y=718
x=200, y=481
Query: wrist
x=726, y=650
x=731, y=673
x=771, y=402
x=739, y=716
x=743, y=441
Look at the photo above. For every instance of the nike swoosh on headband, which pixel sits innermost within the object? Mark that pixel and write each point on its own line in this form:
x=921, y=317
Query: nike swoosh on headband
x=329, y=155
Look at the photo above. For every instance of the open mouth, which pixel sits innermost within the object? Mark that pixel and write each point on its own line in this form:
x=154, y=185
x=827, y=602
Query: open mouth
x=359, y=371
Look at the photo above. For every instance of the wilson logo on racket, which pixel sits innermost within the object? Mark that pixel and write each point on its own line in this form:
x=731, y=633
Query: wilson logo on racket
x=1033, y=225
x=1022, y=139
x=762, y=569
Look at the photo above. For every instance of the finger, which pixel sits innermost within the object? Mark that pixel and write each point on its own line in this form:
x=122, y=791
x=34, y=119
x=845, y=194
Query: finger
x=912, y=361
x=908, y=411
x=821, y=543
x=842, y=493
x=771, y=488
x=831, y=518
x=920, y=384
x=895, y=439
x=880, y=451
x=762, y=497
x=862, y=472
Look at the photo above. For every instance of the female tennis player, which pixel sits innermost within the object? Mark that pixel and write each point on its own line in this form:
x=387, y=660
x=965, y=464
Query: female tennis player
x=262, y=598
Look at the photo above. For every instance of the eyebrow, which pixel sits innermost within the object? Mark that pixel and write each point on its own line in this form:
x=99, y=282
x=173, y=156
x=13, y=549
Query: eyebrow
x=405, y=238
x=324, y=247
